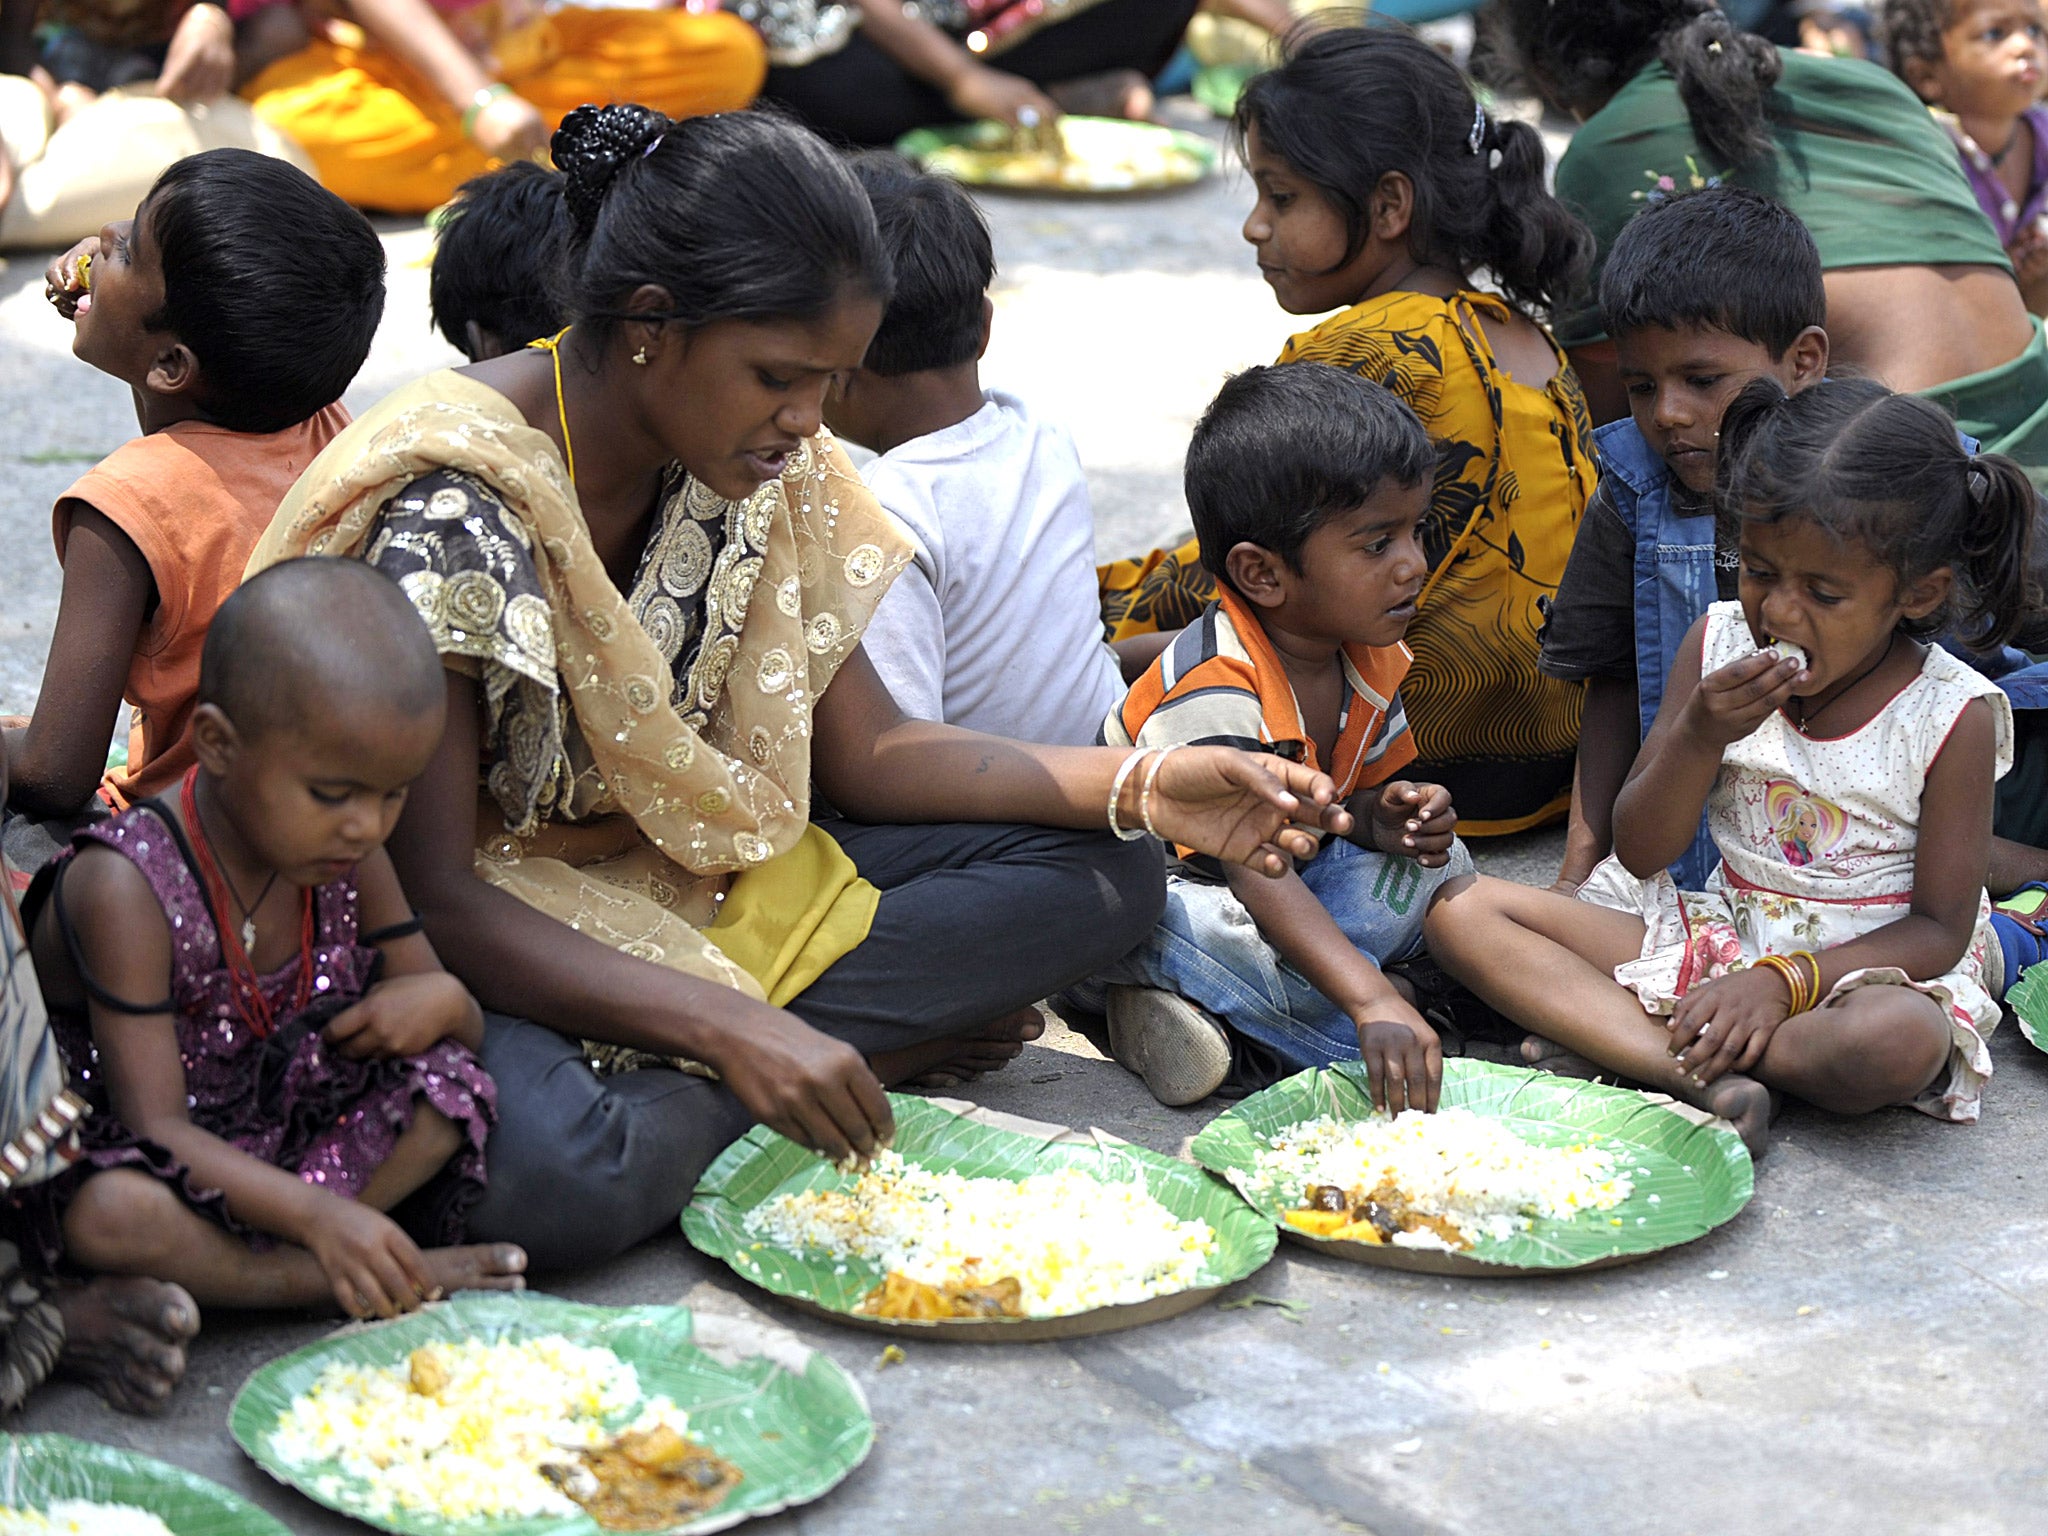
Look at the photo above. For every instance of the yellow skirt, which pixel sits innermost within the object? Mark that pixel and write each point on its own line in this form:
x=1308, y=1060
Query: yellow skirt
x=381, y=138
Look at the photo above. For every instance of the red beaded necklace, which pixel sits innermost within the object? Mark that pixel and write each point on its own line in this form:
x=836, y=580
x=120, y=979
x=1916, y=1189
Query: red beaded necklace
x=250, y=1002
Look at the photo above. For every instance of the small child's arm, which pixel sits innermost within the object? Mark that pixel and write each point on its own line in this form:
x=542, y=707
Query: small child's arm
x=1403, y=1061
x=415, y=1004
x=57, y=759
x=1657, y=813
x=1727, y=1024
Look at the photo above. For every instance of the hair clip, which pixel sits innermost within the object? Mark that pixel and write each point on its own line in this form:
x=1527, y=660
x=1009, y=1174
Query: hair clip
x=1978, y=482
x=1715, y=46
x=653, y=144
x=1478, y=134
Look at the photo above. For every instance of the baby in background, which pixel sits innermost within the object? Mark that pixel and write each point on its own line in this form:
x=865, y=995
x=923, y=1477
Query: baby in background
x=1702, y=293
x=1978, y=64
x=995, y=625
x=285, y=1100
x=237, y=345
x=1308, y=486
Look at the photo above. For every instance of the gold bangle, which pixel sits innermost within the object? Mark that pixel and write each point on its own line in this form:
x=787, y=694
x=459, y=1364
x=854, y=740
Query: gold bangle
x=1812, y=986
x=1795, y=984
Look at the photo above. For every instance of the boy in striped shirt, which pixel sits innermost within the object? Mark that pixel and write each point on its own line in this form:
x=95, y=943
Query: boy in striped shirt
x=1308, y=486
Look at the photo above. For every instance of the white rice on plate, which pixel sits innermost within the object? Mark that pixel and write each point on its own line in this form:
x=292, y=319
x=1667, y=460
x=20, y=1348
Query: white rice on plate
x=1474, y=1171
x=473, y=1447
x=1072, y=1241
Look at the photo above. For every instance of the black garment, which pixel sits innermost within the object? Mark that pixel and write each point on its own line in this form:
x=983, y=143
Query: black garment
x=974, y=922
x=1590, y=630
x=862, y=96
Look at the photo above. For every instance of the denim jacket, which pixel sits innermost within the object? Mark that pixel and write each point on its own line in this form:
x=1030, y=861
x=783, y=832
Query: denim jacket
x=1674, y=585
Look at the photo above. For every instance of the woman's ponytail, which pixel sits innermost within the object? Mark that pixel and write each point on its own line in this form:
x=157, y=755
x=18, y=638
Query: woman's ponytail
x=1724, y=77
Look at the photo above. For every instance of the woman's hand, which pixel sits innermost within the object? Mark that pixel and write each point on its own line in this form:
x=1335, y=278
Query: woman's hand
x=406, y=1016
x=199, y=65
x=375, y=1270
x=61, y=285
x=817, y=1091
x=1238, y=807
x=1741, y=696
x=978, y=92
x=1725, y=1025
x=509, y=127
x=1414, y=821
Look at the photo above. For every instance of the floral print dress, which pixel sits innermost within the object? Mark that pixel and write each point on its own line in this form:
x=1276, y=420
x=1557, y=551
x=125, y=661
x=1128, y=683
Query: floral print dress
x=1817, y=838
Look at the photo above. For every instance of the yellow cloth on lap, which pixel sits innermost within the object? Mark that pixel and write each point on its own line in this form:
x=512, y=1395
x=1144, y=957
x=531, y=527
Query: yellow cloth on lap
x=382, y=138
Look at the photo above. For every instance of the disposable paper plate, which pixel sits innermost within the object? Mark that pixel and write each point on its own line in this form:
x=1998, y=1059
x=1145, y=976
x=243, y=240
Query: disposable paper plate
x=2028, y=1001
x=1691, y=1171
x=1103, y=154
x=979, y=1143
x=36, y=1470
x=785, y=1415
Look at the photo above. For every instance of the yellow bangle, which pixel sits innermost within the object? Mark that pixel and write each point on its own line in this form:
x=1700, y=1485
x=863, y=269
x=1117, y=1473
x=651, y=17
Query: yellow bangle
x=1813, y=985
x=1787, y=972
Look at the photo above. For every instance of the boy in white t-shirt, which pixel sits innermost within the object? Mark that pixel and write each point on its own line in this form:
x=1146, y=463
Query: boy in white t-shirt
x=995, y=625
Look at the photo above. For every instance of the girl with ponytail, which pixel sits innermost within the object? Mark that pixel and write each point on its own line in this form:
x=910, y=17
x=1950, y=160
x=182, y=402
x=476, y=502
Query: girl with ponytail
x=1844, y=954
x=1671, y=97
x=1384, y=189
x=647, y=570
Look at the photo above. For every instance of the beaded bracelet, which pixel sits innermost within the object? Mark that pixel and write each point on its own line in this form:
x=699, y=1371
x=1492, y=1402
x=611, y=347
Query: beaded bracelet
x=1116, y=790
x=1145, y=788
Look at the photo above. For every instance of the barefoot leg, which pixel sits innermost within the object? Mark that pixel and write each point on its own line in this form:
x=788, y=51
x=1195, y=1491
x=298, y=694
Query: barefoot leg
x=420, y=1152
x=1114, y=93
x=956, y=1059
x=1877, y=1046
x=477, y=1267
x=125, y=1336
x=127, y=1223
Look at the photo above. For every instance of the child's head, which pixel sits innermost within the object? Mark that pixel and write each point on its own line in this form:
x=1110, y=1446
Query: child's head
x=320, y=700
x=1977, y=58
x=1308, y=486
x=491, y=289
x=1702, y=293
x=1370, y=156
x=1862, y=514
x=241, y=290
x=937, y=322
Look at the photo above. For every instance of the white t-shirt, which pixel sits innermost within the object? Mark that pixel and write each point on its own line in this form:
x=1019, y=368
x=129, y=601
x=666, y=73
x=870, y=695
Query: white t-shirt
x=996, y=624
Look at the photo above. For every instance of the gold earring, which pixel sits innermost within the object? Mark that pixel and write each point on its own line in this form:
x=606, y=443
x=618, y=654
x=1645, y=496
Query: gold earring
x=640, y=357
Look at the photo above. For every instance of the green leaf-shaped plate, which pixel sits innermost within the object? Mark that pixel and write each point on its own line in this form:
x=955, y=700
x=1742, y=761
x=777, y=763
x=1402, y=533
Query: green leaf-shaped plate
x=1691, y=1172
x=980, y=1144
x=2028, y=1001
x=1103, y=154
x=36, y=1470
x=785, y=1415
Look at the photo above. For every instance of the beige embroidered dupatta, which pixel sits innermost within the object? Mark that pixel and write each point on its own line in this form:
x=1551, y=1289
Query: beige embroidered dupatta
x=697, y=786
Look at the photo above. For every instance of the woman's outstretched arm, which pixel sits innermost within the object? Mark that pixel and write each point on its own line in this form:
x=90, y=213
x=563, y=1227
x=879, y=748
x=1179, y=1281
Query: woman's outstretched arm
x=810, y=1087
x=875, y=764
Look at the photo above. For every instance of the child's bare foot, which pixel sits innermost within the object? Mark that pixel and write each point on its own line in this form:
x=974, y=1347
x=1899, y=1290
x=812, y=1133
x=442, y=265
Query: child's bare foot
x=1548, y=1056
x=1114, y=93
x=988, y=1049
x=477, y=1267
x=125, y=1337
x=1743, y=1102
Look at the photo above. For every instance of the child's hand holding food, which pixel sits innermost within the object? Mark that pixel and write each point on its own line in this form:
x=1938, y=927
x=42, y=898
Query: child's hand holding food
x=67, y=281
x=1725, y=1025
x=1404, y=1061
x=1734, y=700
x=374, y=1269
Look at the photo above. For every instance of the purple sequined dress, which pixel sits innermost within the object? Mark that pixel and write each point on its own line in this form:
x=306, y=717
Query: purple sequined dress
x=305, y=1109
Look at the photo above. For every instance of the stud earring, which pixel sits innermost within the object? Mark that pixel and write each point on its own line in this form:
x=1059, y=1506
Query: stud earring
x=640, y=357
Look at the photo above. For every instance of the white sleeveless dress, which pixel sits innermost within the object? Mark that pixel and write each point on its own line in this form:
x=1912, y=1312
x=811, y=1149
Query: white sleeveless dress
x=1817, y=836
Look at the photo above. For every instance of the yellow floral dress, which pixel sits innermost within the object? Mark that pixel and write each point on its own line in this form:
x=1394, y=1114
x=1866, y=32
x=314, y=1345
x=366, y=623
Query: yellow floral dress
x=1515, y=469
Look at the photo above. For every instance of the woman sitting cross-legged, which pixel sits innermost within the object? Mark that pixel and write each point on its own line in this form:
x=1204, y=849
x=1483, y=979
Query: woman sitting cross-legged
x=647, y=571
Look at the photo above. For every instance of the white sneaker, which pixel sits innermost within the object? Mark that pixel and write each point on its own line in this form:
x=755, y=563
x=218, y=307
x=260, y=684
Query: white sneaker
x=1182, y=1051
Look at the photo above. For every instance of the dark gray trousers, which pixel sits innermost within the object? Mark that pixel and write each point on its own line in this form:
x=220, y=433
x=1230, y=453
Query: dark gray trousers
x=975, y=921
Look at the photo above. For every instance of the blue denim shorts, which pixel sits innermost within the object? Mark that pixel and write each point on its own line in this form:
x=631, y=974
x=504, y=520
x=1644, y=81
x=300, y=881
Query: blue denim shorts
x=1208, y=949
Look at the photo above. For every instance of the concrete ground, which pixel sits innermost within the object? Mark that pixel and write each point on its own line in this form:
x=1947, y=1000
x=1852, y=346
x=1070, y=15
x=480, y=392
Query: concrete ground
x=1861, y=1351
